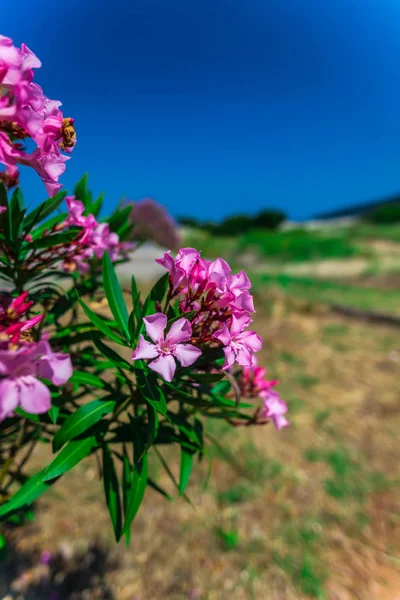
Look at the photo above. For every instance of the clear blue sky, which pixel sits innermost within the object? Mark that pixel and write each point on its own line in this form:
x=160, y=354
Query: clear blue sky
x=219, y=106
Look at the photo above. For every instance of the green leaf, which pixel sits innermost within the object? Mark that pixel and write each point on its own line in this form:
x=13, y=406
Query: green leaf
x=53, y=413
x=139, y=477
x=16, y=213
x=207, y=377
x=28, y=493
x=81, y=191
x=95, y=206
x=185, y=470
x=150, y=390
x=100, y=323
x=22, y=413
x=81, y=420
x=188, y=315
x=42, y=211
x=127, y=474
x=109, y=353
x=5, y=220
x=119, y=219
x=186, y=428
x=83, y=378
x=69, y=457
x=156, y=294
x=137, y=309
x=152, y=425
x=55, y=239
x=111, y=489
x=158, y=489
x=114, y=295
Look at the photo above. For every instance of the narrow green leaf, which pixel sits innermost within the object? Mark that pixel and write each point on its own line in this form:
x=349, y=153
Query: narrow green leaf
x=188, y=315
x=5, y=216
x=156, y=294
x=16, y=213
x=81, y=420
x=152, y=424
x=114, y=295
x=80, y=190
x=95, y=207
x=54, y=240
x=28, y=493
x=42, y=211
x=185, y=470
x=69, y=457
x=186, y=428
x=158, y=489
x=207, y=377
x=150, y=390
x=53, y=413
x=100, y=323
x=20, y=411
x=119, y=218
x=109, y=353
x=136, y=493
x=111, y=489
x=82, y=378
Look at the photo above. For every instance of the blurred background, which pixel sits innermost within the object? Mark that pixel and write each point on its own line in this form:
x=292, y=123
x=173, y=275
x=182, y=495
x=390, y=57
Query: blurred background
x=269, y=129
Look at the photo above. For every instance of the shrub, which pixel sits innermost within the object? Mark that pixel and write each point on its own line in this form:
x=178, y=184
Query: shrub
x=384, y=215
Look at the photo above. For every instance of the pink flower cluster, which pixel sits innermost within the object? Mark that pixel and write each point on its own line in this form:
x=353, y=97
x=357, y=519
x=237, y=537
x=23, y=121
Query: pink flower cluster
x=23, y=361
x=25, y=112
x=11, y=310
x=19, y=373
x=253, y=383
x=221, y=300
x=92, y=241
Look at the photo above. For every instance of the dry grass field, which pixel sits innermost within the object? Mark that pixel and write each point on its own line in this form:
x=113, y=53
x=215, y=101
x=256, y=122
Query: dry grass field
x=311, y=511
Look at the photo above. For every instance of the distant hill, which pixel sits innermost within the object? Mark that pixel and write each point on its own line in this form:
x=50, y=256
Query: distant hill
x=357, y=210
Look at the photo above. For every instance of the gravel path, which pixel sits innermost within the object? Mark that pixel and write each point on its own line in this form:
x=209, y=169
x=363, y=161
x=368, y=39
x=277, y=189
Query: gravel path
x=143, y=264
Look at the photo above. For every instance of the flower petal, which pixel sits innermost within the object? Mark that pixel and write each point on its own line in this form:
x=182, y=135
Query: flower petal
x=164, y=365
x=223, y=335
x=144, y=349
x=180, y=331
x=35, y=397
x=9, y=397
x=244, y=357
x=187, y=354
x=251, y=340
x=229, y=357
x=155, y=325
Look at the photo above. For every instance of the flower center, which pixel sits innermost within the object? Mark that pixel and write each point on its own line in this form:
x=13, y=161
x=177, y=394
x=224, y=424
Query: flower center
x=165, y=347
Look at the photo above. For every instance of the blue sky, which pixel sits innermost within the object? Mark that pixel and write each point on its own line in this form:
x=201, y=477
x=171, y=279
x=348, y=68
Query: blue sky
x=223, y=106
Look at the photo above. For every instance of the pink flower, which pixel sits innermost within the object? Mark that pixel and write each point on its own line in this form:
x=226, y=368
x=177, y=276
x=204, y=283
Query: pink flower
x=19, y=373
x=26, y=112
x=49, y=163
x=10, y=312
x=2, y=209
x=181, y=267
x=165, y=347
x=275, y=409
x=239, y=344
x=252, y=380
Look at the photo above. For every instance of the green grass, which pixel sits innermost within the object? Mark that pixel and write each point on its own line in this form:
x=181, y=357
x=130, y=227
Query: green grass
x=295, y=245
x=236, y=494
x=318, y=291
x=228, y=538
x=302, y=559
x=350, y=478
x=389, y=233
x=298, y=245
